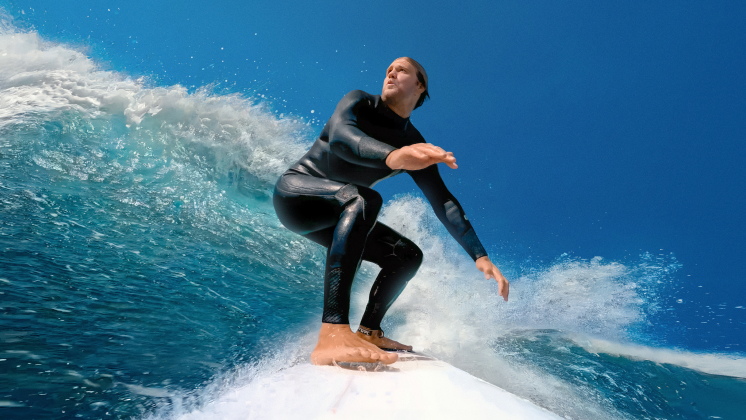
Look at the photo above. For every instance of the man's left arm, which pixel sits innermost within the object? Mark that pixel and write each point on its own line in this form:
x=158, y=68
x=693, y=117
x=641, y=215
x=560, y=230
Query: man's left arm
x=451, y=214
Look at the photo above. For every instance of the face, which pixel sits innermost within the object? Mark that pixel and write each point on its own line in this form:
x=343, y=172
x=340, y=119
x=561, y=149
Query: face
x=401, y=84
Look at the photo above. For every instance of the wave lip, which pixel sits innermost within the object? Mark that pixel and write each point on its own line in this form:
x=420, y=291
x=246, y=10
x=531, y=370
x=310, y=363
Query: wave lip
x=37, y=76
x=40, y=81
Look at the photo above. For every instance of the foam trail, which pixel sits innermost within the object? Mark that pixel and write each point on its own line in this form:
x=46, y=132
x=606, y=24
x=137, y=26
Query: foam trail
x=714, y=364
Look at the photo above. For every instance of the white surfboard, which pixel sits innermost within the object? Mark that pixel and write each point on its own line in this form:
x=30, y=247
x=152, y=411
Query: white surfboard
x=415, y=387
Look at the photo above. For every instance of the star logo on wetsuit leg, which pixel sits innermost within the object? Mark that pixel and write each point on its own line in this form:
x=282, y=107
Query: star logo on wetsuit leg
x=393, y=248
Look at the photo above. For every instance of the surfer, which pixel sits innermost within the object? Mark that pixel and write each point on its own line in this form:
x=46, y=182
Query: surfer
x=326, y=196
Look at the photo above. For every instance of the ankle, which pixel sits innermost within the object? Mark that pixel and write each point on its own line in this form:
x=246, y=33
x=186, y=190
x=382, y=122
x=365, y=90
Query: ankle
x=334, y=328
x=370, y=332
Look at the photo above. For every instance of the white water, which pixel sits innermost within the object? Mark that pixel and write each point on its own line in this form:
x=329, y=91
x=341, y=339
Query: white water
x=39, y=77
x=449, y=310
x=712, y=363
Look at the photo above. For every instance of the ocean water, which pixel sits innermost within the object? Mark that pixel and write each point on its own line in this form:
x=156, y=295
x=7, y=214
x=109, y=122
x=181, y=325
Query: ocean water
x=143, y=273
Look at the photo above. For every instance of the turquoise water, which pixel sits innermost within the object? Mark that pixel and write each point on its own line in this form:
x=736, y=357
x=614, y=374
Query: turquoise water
x=143, y=272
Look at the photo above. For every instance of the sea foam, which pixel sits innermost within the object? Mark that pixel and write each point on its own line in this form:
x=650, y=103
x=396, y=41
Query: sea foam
x=42, y=78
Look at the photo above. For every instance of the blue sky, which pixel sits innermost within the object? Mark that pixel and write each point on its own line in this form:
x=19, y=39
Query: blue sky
x=592, y=128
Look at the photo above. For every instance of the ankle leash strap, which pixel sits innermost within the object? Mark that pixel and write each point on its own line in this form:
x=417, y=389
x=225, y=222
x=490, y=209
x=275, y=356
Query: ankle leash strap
x=368, y=332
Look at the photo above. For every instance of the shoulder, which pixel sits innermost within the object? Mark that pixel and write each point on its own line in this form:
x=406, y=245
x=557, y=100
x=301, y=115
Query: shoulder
x=414, y=134
x=358, y=97
x=359, y=94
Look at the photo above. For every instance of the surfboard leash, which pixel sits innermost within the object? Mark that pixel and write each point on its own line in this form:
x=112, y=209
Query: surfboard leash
x=368, y=332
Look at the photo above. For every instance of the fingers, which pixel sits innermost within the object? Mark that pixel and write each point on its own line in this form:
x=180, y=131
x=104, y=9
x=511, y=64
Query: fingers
x=450, y=160
x=430, y=147
x=503, y=288
x=428, y=151
x=419, y=156
x=434, y=151
x=439, y=156
x=491, y=271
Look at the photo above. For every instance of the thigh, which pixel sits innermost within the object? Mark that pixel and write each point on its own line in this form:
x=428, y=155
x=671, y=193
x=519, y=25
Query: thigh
x=306, y=204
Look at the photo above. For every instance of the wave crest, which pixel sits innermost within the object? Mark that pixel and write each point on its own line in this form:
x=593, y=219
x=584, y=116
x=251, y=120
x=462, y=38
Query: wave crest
x=42, y=81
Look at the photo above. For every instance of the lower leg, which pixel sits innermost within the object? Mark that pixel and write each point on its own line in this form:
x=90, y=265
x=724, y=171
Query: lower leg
x=337, y=343
x=399, y=264
x=344, y=254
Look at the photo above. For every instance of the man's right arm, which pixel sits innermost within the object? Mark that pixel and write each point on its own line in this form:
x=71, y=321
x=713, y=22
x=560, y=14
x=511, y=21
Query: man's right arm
x=348, y=141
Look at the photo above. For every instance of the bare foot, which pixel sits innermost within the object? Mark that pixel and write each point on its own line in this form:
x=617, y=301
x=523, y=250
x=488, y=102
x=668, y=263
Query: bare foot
x=337, y=343
x=376, y=337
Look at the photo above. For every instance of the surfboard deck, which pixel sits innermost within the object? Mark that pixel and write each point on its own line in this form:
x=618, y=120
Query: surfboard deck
x=417, y=386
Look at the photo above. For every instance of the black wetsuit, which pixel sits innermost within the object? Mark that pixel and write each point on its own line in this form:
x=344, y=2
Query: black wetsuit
x=327, y=197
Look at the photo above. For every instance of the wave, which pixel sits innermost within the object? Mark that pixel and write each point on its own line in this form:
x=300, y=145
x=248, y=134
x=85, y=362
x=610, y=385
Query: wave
x=161, y=156
x=42, y=80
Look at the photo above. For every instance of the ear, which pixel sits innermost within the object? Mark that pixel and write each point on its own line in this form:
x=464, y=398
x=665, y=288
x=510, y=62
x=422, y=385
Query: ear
x=420, y=88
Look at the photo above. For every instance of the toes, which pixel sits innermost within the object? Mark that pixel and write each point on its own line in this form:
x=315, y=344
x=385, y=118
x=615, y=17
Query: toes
x=370, y=354
x=389, y=358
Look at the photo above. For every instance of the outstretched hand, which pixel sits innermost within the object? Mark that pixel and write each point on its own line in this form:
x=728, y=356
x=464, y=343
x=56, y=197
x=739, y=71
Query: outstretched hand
x=490, y=270
x=419, y=156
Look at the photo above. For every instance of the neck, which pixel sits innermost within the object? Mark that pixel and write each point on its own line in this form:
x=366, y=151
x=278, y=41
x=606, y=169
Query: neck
x=401, y=109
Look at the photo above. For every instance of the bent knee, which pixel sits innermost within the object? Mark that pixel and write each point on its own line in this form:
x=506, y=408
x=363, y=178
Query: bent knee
x=409, y=255
x=415, y=255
